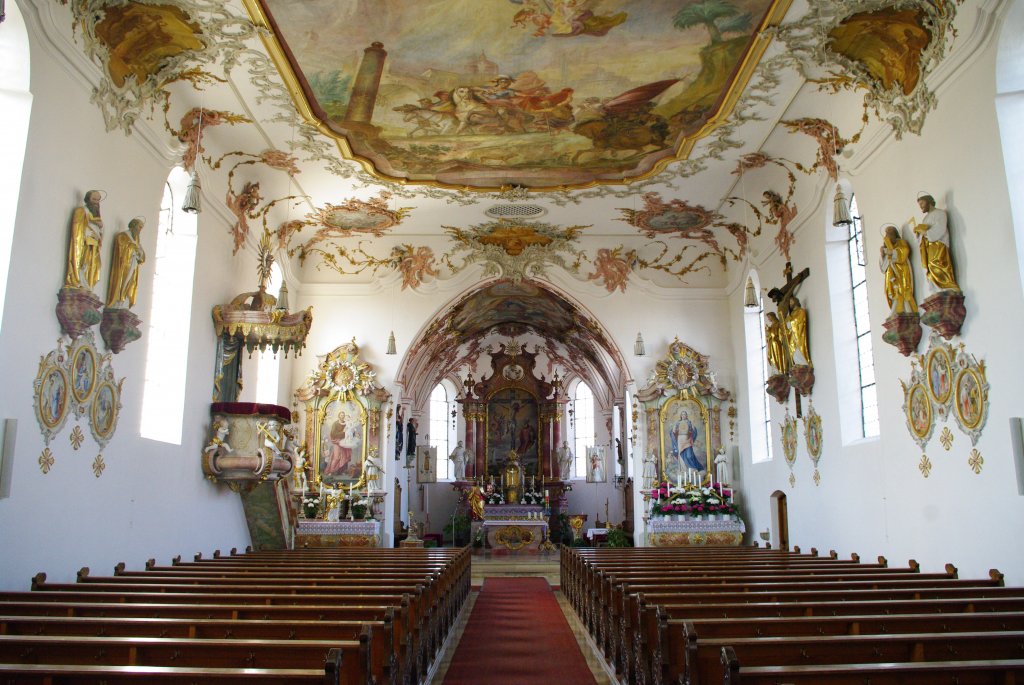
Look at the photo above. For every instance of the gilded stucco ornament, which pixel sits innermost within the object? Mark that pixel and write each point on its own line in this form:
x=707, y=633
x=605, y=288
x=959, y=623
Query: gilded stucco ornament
x=789, y=439
x=886, y=48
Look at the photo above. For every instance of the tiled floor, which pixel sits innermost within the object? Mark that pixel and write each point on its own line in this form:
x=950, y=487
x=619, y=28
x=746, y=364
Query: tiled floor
x=546, y=566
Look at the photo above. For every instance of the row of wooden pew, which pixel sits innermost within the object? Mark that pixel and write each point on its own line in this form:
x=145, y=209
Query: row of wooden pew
x=341, y=616
x=708, y=615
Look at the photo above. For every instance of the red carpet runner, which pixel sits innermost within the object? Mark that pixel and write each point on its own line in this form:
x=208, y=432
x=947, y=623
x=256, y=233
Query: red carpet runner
x=517, y=635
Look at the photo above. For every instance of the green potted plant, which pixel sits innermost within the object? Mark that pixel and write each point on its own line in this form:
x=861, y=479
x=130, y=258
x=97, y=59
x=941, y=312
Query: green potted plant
x=617, y=538
x=458, y=529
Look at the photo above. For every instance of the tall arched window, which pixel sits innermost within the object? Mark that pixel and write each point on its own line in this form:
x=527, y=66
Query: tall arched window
x=439, y=418
x=268, y=364
x=862, y=325
x=855, y=378
x=584, y=437
x=15, y=107
x=163, y=394
x=757, y=375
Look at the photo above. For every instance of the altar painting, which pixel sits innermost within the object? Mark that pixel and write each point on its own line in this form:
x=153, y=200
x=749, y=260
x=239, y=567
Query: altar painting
x=685, y=437
x=341, y=441
x=512, y=425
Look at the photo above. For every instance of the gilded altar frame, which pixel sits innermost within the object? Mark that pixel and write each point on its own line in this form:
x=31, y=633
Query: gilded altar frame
x=683, y=381
x=342, y=404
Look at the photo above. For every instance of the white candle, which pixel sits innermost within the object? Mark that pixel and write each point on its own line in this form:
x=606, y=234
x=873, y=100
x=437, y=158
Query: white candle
x=679, y=481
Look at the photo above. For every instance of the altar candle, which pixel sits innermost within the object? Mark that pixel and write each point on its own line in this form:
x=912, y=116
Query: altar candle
x=679, y=481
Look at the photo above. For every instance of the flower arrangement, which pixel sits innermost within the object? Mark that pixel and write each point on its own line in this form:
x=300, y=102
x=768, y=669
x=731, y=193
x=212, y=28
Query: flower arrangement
x=533, y=497
x=494, y=497
x=310, y=507
x=691, y=501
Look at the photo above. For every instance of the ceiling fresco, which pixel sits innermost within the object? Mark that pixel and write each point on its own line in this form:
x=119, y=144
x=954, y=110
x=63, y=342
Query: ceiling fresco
x=668, y=142
x=541, y=93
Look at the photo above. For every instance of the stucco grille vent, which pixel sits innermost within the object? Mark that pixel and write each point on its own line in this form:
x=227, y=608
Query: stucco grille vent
x=515, y=212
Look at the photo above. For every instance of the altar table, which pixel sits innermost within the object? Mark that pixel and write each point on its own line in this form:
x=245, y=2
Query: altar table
x=662, y=532
x=515, y=535
x=315, y=533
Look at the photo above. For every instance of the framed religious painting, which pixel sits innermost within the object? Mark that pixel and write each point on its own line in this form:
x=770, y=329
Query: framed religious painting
x=939, y=373
x=426, y=464
x=812, y=434
x=340, y=440
x=685, y=437
x=52, y=398
x=84, y=373
x=789, y=431
x=970, y=396
x=597, y=467
x=512, y=424
x=104, y=411
x=917, y=409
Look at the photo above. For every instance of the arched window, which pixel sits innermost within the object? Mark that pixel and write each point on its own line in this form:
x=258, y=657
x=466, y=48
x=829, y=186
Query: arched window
x=757, y=374
x=163, y=394
x=584, y=437
x=847, y=276
x=15, y=107
x=439, y=421
x=1010, y=112
x=268, y=363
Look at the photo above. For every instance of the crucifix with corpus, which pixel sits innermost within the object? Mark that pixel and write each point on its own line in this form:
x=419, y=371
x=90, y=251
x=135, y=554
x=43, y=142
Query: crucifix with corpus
x=792, y=318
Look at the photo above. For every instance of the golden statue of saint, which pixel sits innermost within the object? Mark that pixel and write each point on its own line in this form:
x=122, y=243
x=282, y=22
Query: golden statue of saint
x=84, y=245
x=512, y=478
x=128, y=257
x=776, y=343
x=933, y=232
x=796, y=322
x=894, y=260
x=476, y=503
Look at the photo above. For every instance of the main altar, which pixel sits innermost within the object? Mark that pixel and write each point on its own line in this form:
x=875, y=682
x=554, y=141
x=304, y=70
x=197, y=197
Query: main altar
x=510, y=485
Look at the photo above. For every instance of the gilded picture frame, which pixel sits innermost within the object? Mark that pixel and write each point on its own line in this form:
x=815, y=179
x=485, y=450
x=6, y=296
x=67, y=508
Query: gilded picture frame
x=52, y=396
x=918, y=411
x=104, y=411
x=340, y=441
x=685, y=436
x=813, y=434
x=84, y=371
x=970, y=397
x=789, y=439
x=426, y=464
x=597, y=465
x=939, y=372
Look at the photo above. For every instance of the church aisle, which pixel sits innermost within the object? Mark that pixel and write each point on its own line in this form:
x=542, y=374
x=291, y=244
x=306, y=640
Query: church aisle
x=517, y=634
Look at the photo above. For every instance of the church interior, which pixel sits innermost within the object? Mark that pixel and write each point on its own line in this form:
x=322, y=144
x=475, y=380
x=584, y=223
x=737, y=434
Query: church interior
x=507, y=281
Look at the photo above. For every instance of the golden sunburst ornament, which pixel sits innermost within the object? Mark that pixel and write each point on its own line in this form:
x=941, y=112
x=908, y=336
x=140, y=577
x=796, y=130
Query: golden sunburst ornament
x=46, y=460
x=925, y=465
x=98, y=466
x=975, y=461
x=265, y=260
x=77, y=437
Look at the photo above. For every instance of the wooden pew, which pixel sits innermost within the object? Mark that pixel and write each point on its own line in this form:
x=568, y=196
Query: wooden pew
x=73, y=674
x=189, y=653
x=971, y=672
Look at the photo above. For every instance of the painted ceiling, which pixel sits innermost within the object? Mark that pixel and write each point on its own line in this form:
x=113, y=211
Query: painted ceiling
x=631, y=144
x=488, y=93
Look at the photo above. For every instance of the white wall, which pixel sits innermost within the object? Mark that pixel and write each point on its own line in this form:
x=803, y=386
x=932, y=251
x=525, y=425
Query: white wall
x=151, y=501
x=872, y=499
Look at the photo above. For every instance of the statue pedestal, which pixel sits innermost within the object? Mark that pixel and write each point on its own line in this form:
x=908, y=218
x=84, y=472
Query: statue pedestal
x=903, y=331
x=77, y=310
x=945, y=312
